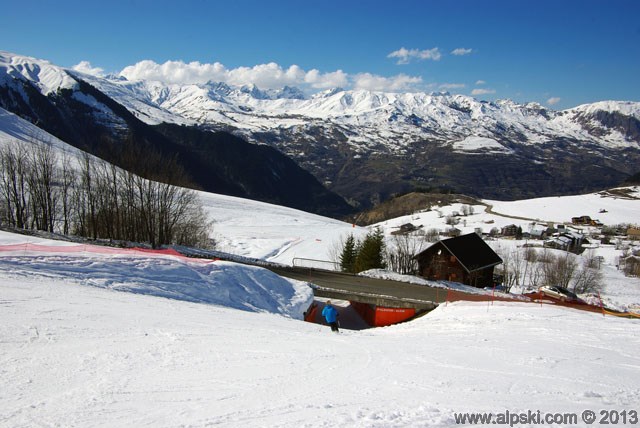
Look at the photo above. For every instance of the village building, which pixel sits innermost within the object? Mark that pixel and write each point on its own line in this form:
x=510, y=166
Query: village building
x=466, y=259
x=633, y=233
x=567, y=241
x=405, y=229
x=585, y=220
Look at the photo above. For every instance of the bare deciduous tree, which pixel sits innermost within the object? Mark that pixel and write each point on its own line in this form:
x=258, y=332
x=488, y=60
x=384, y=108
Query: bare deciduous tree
x=41, y=177
x=559, y=270
x=14, y=163
x=100, y=200
x=400, y=254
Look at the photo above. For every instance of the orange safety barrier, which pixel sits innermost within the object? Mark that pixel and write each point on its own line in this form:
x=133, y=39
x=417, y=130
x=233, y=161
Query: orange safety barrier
x=311, y=314
x=380, y=316
x=622, y=314
x=537, y=298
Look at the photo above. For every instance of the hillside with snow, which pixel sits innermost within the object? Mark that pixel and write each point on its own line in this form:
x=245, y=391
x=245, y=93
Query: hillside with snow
x=81, y=345
x=365, y=146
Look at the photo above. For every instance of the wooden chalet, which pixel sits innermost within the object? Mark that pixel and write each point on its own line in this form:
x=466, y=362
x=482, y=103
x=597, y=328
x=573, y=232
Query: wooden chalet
x=405, y=229
x=466, y=259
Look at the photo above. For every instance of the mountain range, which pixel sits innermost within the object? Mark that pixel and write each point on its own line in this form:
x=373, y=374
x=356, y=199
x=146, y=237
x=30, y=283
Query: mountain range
x=364, y=146
x=67, y=107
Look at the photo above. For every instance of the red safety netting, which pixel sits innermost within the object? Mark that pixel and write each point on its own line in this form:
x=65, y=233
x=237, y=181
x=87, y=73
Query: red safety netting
x=536, y=298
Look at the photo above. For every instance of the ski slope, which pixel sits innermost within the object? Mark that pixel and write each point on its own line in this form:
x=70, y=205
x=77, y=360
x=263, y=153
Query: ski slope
x=79, y=355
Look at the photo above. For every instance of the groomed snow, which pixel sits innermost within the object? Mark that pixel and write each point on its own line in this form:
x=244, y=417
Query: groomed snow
x=274, y=233
x=74, y=355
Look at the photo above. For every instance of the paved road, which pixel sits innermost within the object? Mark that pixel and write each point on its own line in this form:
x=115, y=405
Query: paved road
x=334, y=284
x=347, y=286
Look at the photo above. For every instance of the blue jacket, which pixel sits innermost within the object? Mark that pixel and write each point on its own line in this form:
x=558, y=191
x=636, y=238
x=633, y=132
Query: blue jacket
x=329, y=313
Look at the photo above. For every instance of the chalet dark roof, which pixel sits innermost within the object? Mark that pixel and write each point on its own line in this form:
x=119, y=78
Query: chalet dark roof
x=471, y=251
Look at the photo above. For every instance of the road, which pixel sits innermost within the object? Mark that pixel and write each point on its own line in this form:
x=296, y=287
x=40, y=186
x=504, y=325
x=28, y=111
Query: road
x=367, y=290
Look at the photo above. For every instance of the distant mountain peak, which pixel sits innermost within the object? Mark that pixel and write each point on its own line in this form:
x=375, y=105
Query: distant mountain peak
x=41, y=73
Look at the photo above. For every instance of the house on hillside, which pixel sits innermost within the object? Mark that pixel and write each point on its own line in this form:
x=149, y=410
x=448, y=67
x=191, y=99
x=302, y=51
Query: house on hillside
x=452, y=231
x=405, y=229
x=633, y=233
x=538, y=231
x=511, y=230
x=466, y=259
x=585, y=220
x=582, y=220
x=567, y=241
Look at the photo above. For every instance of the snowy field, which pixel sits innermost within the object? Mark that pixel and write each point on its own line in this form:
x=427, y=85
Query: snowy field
x=76, y=355
x=92, y=339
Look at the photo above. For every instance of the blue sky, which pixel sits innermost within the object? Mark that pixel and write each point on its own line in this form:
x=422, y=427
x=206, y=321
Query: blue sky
x=558, y=53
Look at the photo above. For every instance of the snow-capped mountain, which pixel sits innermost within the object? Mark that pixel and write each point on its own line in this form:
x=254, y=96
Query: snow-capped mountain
x=388, y=121
x=368, y=145
x=70, y=108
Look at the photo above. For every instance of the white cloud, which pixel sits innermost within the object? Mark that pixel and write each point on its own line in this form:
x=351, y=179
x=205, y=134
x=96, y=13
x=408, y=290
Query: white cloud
x=553, y=100
x=480, y=82
x=319, y=80
x=406, y=55
x=461, y=51
x=481, y=91
x=85, y=67
x=266, y=76
x=372, y=82
x=452, y=86
x=176, y=72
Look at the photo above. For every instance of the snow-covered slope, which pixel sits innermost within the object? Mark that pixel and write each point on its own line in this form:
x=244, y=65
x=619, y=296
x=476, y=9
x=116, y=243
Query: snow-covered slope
x=48, y=77
x=161, y=275
x=15, y=130
x=74, y=355
x=18, y=73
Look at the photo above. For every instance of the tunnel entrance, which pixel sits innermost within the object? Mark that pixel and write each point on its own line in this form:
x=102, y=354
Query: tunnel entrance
x=355, y=315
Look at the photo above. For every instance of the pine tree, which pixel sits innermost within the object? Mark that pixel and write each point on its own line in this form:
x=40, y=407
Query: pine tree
x=348, y=255
x=371, y=252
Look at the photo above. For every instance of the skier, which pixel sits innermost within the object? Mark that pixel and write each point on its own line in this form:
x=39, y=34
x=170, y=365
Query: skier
x=330, y=314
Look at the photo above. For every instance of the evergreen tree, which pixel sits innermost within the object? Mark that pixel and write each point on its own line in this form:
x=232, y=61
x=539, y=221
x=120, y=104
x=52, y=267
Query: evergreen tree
x=519, y=233
x=371, y=252
x=348, y=255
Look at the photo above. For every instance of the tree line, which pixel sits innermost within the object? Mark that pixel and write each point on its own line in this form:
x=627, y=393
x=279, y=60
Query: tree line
x=85, y=196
